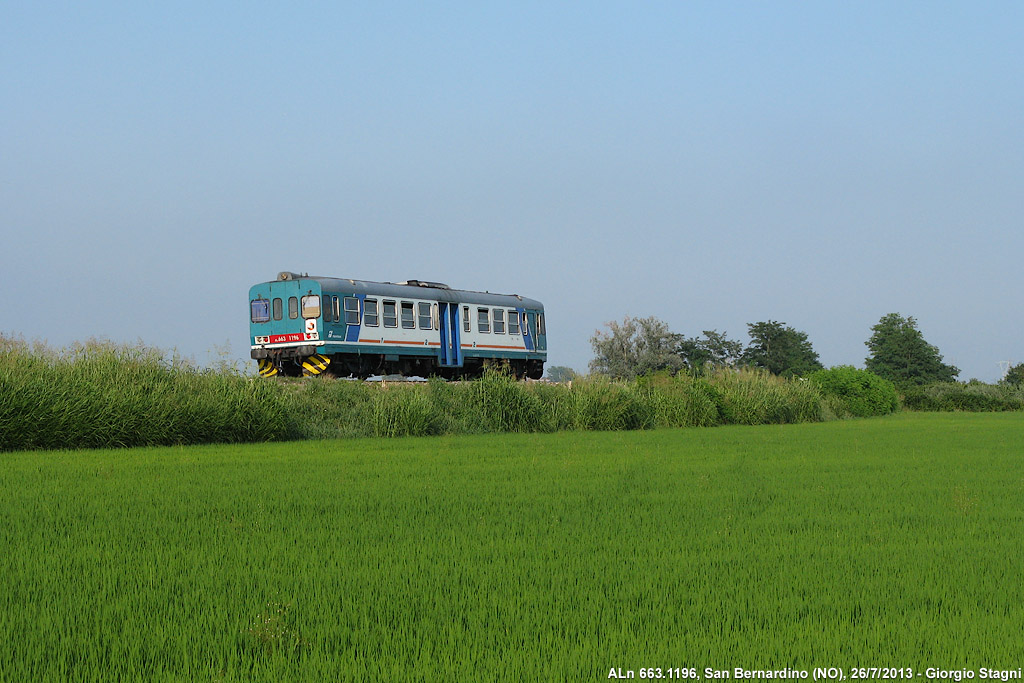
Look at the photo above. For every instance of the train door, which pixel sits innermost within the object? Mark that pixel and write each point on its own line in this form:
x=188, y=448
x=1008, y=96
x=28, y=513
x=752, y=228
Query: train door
x=450, y=353
x=524, y=324
x=534, y=334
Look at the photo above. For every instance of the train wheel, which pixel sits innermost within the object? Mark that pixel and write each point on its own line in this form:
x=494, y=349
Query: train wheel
x=517, y=369
x=535, y=369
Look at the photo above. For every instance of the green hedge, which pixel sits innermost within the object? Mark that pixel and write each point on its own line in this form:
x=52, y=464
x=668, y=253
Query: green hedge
x=101, y=394
x=104, y=395
x=498, y=403
x=964, y=396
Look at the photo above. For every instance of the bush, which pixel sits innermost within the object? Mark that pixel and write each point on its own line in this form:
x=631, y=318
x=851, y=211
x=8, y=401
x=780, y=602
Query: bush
x=858, y=392
x=963, y=396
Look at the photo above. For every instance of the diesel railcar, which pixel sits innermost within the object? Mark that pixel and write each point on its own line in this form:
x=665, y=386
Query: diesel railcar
x=302, y=325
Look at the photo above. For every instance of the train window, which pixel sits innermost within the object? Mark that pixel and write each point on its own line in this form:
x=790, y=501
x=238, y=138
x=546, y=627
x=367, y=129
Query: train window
x=260, y=310
x=311, y=306
x=335, y=308
x=466, y=324
x=326, y=310
x=483, y=320
x=540, y=324
x=408, y=319
x=513, y=322
x=278, y=313
x=370, y=312
x=424, y=315
x=499, y=321
x=523, y=323
x=390, y=314
x=351, y=310
x=293, y=307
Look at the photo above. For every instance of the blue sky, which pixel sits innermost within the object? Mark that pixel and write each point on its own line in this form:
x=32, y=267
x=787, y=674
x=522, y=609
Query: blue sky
x=710, y=163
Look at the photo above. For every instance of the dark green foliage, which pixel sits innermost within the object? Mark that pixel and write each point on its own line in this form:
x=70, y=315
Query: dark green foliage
x=714, y=350
x=963, y=396
x=780, y=349
x=900, y=354
x=859, y=392
x=641, y=346
x=1014, y=376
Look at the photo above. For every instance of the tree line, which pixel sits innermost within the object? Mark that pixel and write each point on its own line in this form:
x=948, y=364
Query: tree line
x=635, y=347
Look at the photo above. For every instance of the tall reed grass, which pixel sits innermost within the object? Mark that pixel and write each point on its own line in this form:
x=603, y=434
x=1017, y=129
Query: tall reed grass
x=498, y=403
x=100, y=394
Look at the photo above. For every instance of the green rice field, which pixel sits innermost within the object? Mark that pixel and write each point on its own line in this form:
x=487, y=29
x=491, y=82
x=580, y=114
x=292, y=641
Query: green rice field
x=891, y=542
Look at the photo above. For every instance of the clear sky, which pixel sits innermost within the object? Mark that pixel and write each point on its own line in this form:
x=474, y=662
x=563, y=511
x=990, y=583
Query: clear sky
x=710, y=163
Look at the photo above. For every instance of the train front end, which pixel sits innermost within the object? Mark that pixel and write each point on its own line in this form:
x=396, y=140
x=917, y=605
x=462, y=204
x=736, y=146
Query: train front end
x=285, y=331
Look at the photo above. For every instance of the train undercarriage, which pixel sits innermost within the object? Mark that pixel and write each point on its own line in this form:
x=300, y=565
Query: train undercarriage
x=304, y=361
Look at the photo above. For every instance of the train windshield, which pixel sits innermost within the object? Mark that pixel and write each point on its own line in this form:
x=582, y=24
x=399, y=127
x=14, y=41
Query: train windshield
x=260, y=310
x=311, y=306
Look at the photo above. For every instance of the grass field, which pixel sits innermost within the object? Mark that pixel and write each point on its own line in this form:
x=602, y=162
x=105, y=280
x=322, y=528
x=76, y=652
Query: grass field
x=885, y=542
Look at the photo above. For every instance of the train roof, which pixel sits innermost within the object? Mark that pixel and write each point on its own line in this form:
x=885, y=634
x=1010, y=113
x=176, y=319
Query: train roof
x=416, y=289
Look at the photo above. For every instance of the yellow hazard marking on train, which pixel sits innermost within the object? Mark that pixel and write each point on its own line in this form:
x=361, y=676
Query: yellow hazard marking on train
x=314, y=365
x=267, y=368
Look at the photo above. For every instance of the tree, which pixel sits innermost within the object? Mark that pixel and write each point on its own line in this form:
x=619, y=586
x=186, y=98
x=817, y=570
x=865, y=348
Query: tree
x=714, y=349
x=780, y=349
x=1014, y=377
x=561, y=373
x=900, y=353
x=636, y=346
